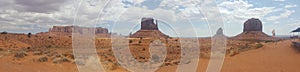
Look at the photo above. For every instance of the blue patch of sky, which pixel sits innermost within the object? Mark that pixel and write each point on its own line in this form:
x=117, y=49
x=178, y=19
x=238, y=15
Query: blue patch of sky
x=151, y=4
x=127, y=3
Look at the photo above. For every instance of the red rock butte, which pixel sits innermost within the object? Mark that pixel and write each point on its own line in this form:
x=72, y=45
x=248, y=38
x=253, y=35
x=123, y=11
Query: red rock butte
x=149, y=29
x=253, y=31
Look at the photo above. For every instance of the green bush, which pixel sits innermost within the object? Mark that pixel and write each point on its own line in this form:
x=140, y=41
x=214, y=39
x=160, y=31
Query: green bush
x=259, y=45
x=269, y=41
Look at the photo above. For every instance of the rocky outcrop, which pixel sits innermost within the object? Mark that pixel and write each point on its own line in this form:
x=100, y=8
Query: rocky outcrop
x=149, y=29
x=219, y=33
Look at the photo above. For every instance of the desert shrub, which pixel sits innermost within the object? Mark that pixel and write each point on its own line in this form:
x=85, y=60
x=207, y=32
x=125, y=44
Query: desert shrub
x=270, y=41
x=259, y=45
x=60, y=60
x=20, y=55
x=245, y=47
x=4, y=32
x=43, y=59
x=49, y=46
x=1, y=49
x=49, y=37
x=28, y=48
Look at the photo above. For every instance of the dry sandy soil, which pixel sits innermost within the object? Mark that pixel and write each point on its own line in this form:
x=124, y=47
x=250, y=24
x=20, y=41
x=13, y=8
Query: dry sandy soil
x=18, y=54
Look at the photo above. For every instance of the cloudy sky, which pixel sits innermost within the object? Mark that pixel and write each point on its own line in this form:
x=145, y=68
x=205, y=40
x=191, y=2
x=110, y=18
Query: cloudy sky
x=184, y=18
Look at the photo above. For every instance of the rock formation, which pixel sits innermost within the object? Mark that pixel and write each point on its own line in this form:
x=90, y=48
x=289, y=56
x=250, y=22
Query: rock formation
x=69, y=29
x=220, y=32
x=253, y=24
x=149, y=29
x=253, y=31
x=148, y=24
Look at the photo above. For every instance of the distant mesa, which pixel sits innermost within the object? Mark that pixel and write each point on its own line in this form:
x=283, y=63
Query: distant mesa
x=253, y=30
x=149, y=29
x=77, y=29
x=68, y=30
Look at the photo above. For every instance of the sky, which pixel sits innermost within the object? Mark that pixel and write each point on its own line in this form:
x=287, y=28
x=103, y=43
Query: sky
x=177, y=18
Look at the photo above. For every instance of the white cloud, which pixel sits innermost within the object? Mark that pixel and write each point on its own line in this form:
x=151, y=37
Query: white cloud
x=279, y=0
x=293, y=22
x=239, y=11
x=290, y=6
x=286, y=14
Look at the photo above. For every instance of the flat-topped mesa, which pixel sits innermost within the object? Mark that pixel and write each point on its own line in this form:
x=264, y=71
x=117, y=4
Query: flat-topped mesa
x=77, y=29
x=148, y=24
x=253, y=24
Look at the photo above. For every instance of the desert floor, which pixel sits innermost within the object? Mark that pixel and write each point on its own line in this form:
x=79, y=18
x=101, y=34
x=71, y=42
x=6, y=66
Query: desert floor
x=272, y=57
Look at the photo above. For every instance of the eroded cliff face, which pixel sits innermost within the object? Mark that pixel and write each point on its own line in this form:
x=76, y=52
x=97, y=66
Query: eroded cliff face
x=148, y=24
x=253, y=24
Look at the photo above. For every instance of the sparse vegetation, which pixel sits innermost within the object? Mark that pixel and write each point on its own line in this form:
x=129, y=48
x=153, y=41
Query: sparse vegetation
x=259, y=45
x=43, y=59
x=269, y=41
x=49, y=46
x=20, y=55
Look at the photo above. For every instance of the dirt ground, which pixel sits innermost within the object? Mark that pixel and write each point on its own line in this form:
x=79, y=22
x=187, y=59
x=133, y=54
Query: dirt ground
x=20, y=55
